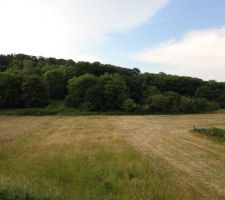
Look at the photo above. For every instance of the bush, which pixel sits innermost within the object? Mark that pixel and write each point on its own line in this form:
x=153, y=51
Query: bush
x=56, y=80
x=173, y=101
x=158, y=103
x=87, y=106
x=77, y=89
x=35, y=91
x=113, y=90
x=10, y=90
x=187, y=105
x=129, y=105
x=207, y=92
x=103, y=94
x=195, y=105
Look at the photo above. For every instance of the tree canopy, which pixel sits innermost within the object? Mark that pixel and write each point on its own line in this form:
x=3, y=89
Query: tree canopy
x=30, y=81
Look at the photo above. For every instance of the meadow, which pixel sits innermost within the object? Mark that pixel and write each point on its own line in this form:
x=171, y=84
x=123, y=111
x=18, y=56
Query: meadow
x=111, y=157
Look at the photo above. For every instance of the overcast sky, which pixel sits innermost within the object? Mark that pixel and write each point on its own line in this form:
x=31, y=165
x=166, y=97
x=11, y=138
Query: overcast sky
x=184, y=37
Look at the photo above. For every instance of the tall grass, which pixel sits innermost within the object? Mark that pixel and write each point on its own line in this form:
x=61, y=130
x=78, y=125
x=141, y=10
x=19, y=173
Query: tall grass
x=29, y=171
x=213, y=132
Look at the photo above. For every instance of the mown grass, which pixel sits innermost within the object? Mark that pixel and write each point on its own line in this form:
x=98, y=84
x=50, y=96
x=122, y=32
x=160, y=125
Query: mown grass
x=213, y=132
x=92, y=166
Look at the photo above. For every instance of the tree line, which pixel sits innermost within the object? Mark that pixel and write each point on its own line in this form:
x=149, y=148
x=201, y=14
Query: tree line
x=29, y=82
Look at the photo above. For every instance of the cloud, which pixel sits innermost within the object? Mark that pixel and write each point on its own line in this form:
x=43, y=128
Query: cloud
x=65, y=28
x=198, y=53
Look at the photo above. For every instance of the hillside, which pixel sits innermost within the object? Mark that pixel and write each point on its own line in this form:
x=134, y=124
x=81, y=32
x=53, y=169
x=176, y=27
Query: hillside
x=35, y=82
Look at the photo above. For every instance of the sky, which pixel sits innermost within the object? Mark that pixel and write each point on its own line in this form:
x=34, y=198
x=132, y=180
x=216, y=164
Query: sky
x=183, y=37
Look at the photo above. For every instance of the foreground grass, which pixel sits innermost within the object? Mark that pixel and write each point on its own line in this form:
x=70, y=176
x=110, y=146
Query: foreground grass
x=77, y=158
x=104, y=176
x=214, y=132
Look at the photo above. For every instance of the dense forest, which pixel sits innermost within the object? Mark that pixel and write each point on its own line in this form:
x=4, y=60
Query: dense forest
x=32, y=82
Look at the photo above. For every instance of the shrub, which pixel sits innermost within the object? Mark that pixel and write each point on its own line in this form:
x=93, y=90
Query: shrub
x=10, y=90
x=173, y=101
x=214, y=132
x=56, y=80
x=87, y=106
x=129, y=105
x=194, y=105
x=187, y=105
x=158, y=103
x=35, y=91
x=77, y=89
x=114, y=91
x=207, y=92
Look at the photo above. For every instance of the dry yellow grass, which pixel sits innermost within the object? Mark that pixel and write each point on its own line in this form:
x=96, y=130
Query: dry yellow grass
x=198, y=161
x=14, y=126
x=194, y=161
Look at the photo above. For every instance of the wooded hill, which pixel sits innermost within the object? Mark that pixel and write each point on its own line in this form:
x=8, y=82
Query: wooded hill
x=30, y=82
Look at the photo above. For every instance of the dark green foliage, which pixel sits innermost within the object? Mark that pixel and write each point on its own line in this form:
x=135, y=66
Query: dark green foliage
x=150, y=90
x=134, y=85
x=77, y=88
x=185, y=86
x=94, y=95
x=57, y=82
x=205, y=105
x=114, y=91
x=212, y=132
x=129, y=105
x=29, y=81
x=173, y=101
x=10, y=90
x=104, y=93
x=158, y=103
x=207, y=92
x=195, y=105
x=221, y=101
x=35, y=91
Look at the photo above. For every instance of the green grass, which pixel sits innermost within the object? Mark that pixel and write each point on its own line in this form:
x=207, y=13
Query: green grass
x=213, y=132
x=105, y=175
x=29, y=171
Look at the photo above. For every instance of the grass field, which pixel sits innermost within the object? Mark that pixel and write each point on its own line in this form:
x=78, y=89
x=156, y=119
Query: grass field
x=111, y=157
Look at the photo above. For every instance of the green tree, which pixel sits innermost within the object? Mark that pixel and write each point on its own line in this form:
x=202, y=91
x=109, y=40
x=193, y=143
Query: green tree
x=158, y=103
x=35, y=91
x=188, y=105
x=114, y=91
x=77, y=88
x=95, y=96
x=10, y=90
x=56, y=80
x=173, y=101
x=208, y=92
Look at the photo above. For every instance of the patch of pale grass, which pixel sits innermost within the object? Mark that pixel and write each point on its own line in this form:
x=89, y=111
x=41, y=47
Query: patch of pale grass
x=14, y=126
